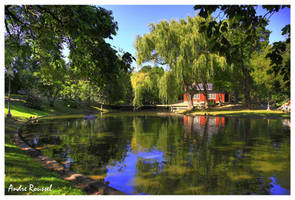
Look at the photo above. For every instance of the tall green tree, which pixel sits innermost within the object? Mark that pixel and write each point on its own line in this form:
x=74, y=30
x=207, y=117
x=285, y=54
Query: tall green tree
x=184, y=49
x=145, y=85
x=280, y=61
x=248, y=25
x=168, y=88
x=42, y=31
x=263, y=87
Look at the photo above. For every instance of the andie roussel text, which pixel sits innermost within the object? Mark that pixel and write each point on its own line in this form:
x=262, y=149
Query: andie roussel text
x=29, y=188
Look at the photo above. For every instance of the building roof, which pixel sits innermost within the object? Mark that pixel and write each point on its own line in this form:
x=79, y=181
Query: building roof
x=209, y=86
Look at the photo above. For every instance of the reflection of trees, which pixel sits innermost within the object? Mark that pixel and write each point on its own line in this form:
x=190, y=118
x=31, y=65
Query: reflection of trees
x=91, y=144
x=208, y=156
x=238, y=159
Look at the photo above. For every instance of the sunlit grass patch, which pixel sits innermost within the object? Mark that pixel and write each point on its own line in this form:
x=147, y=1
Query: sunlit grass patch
x=19, y=110
x=237, y=112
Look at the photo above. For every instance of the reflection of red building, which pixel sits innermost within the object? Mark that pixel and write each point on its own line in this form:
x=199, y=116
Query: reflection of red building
x=219, y=121
x=212, y=95
x=198, y=123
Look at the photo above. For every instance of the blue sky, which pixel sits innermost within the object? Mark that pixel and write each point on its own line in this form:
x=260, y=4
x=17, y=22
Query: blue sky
x=134, y=19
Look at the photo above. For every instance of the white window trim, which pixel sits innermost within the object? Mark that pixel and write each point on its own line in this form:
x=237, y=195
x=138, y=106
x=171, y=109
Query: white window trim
x=212, y=96
x=196, y=96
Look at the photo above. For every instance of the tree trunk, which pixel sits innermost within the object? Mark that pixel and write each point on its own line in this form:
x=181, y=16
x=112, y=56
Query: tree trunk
x=9, y=91
x=189, y=100
x=220, y=100
x=89, y=95
x=235, y=97
x=189, y=97
x=246, y=89
x=206, y=100
x=52, y=100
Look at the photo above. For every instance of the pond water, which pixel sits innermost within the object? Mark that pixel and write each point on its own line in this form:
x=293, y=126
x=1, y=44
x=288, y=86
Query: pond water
x=162, y=154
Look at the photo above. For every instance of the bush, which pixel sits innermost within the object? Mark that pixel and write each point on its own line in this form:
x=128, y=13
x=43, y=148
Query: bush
x=70, y=103
x=211, y=103
x=33, y=102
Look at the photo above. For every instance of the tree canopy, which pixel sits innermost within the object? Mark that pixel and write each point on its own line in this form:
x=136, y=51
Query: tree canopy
x=36, y=36
x=187, y=52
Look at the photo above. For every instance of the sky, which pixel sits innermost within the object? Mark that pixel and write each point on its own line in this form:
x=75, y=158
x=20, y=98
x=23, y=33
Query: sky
x=134, y=20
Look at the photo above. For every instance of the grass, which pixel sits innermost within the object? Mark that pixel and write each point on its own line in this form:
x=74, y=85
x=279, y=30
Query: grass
x=20, y=110
x=21, y=169
x=237, y=111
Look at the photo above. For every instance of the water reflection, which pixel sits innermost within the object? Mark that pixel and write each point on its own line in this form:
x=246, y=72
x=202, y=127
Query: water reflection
x=276, y=189
x=172, y=155
x=125, y=172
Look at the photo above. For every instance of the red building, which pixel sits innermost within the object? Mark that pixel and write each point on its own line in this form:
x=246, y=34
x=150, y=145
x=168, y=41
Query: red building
x=212, y=95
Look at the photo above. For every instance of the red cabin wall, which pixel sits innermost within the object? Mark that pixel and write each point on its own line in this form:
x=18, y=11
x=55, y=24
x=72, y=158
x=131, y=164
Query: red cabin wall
x=184, y=97
x=202, y=97
x=216, y=97
x=222, y=97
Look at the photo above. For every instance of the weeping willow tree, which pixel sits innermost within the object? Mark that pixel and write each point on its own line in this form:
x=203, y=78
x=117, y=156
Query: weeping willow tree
x=180, y=45
x=168, y=89
x=145, y=85
x=141, y=83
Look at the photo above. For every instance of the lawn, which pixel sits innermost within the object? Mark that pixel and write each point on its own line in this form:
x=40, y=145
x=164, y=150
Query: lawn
x=237, y=111
x=19, y=109
x=20, y=168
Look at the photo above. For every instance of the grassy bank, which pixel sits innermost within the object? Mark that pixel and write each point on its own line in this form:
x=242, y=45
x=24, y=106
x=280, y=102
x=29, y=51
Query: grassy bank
x=237, y=111
x=20, y=169
x=20, y=110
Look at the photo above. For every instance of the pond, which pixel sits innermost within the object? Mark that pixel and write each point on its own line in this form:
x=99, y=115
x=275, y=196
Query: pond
x=163, y=154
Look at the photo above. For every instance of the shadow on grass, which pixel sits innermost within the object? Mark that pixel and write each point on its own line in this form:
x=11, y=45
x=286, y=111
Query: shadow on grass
x=20, y=169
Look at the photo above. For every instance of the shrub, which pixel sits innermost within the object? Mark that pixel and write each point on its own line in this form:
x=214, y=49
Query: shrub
x=211, y=103
x=70, y=103
x=33, y=102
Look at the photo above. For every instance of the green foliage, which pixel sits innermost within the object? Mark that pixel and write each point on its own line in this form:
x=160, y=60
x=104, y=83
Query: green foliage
x=280, y=60
x=118, y=90
x=36, y=36
x=183, y=48
x=71, y=103
x=33, y=102
x=262, y=80
x=145, y=85
x=212, y=103
x=168, y=88
x=241, y=34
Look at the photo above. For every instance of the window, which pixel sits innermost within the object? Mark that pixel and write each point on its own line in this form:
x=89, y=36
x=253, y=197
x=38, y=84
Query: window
x=212, y=96
x=196, y=96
